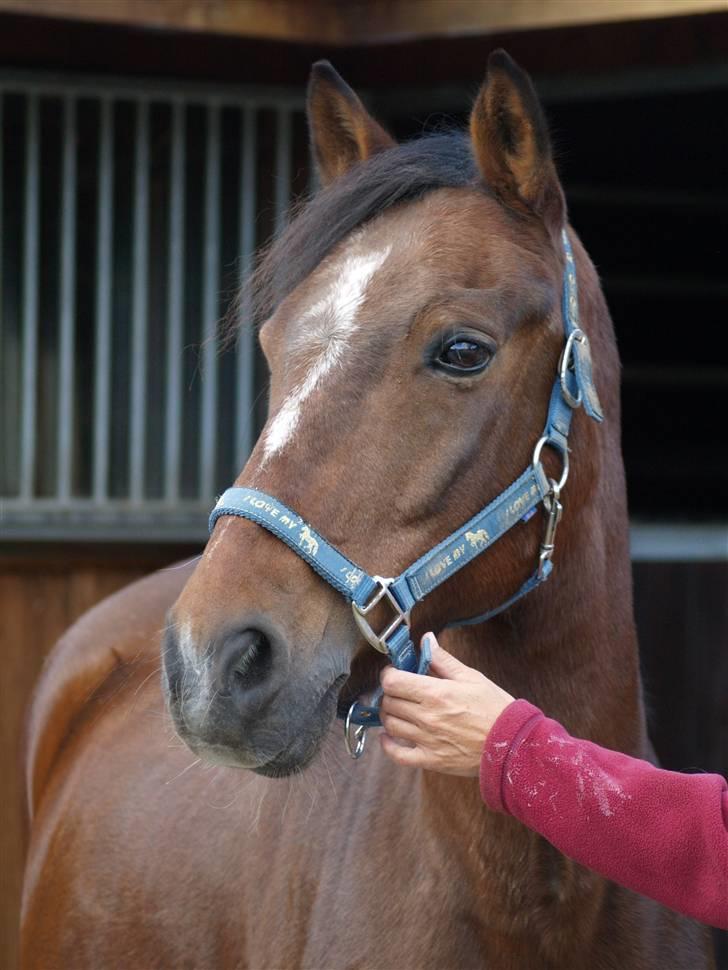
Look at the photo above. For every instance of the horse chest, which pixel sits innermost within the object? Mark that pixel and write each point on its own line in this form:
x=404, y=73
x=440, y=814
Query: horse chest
x=381, y=889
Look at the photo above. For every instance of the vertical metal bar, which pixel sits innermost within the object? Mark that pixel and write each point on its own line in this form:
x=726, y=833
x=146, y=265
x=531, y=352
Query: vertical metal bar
x=9, y=357
x=140, y=244
x=30, y=300
x=175, y=303
x=210, y=285
x=2, y=143
x=102, y=361
x=283, y=167
x=5, y=379
x=244, y=397
x=67, y=290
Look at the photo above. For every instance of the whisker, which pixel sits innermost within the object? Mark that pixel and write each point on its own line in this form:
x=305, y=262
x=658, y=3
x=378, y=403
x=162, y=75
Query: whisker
x=184, y=771
x=207, y=709
x=181, y=565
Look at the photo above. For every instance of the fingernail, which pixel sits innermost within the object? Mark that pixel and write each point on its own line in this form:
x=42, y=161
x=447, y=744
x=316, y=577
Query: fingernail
x=428, y=640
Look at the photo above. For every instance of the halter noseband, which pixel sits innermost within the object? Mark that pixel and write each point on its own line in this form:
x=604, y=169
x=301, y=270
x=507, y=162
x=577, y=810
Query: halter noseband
x=573, y=387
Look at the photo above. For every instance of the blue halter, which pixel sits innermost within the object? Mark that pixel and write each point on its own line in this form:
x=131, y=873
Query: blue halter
x=573, y=387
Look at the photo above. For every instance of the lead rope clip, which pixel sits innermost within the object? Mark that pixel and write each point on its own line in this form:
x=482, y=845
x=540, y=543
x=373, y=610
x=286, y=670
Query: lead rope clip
x=554, y=511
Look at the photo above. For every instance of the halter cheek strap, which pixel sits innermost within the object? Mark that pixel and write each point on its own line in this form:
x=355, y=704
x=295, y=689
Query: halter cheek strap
x=573, y=387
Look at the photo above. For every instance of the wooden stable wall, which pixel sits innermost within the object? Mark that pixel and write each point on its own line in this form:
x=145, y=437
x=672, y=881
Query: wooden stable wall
x=681, y=610
x=41, y=594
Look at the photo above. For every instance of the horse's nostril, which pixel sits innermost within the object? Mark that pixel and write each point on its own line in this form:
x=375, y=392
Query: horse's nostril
x=244, y=660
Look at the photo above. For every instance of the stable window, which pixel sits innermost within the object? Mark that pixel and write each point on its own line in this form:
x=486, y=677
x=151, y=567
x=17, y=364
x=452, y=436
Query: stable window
x=128, y=215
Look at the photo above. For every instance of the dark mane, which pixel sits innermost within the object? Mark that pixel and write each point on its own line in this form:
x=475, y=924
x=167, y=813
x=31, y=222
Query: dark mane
x=409, y=171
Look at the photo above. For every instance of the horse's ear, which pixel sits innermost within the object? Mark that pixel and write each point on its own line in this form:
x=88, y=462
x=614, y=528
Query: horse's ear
x=342, y=130
x=511, y=143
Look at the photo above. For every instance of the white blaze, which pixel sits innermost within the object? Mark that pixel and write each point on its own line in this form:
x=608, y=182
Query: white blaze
x=333, y=320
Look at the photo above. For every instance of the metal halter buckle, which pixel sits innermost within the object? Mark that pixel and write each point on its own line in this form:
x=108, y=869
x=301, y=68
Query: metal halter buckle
x=355, y=739
x=567, y=363
x=379, y=642
x=554, y=510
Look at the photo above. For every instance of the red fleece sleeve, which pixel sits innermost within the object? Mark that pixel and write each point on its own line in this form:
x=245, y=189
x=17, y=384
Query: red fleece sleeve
x=660, y=833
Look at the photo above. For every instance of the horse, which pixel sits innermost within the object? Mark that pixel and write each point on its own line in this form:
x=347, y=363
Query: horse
x=412, y=328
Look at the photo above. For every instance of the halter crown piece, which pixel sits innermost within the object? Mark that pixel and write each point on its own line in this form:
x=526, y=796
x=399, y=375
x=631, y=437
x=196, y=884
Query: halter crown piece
x=573, y=387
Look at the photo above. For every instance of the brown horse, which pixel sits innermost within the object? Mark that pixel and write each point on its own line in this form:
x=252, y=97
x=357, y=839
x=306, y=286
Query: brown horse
x=414, y=328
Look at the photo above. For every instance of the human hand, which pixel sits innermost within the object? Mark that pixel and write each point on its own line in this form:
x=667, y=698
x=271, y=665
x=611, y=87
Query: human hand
x=439, y=723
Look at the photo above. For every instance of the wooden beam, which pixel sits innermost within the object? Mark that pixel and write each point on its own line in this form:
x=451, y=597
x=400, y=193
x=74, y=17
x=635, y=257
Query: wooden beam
x=397, y=20
x=357, y=22
x=270, y=19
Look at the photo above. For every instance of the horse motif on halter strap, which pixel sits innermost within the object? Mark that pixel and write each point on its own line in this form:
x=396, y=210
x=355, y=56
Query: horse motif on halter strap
x=478, y=539
x=352, y=577
x=307, y=541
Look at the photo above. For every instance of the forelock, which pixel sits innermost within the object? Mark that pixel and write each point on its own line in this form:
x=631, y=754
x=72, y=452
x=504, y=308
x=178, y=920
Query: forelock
x=400, y=174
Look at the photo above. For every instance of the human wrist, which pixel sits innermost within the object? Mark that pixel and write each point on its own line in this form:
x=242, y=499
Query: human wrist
x=507, y=733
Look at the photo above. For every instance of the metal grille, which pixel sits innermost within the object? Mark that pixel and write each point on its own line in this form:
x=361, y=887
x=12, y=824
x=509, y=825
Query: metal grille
x=128, y=214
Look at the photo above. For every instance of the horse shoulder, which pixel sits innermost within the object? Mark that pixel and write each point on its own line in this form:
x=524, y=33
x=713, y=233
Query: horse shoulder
x=121, y=629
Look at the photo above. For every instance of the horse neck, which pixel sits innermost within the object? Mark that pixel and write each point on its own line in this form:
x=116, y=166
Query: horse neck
x=571, y=646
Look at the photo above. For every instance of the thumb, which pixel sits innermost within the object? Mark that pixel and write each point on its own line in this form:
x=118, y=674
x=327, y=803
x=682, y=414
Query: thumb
x=443, y=663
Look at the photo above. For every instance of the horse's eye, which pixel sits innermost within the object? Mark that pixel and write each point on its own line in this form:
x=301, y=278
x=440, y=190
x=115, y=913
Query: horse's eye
x=463, y=355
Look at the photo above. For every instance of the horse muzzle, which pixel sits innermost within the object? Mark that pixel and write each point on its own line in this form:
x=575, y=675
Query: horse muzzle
x=239, y=701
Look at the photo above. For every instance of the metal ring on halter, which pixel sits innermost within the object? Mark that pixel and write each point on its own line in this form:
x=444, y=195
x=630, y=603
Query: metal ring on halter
x=564, y=458
x=354, y=746
x=564, y=363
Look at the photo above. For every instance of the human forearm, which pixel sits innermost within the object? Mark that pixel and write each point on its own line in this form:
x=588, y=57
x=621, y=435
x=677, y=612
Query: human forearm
x=658, y=832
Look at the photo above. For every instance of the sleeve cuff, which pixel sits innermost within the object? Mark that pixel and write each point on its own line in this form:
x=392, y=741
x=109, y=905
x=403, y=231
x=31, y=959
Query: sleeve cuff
x=513, y=725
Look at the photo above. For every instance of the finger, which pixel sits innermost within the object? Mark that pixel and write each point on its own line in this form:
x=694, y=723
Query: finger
x=445, y=665
x=397, y=728
x=409, y=757
x=400, y=683
x=407, y=710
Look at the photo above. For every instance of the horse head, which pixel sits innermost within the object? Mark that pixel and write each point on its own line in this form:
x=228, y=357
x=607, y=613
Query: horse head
x=413, y=332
